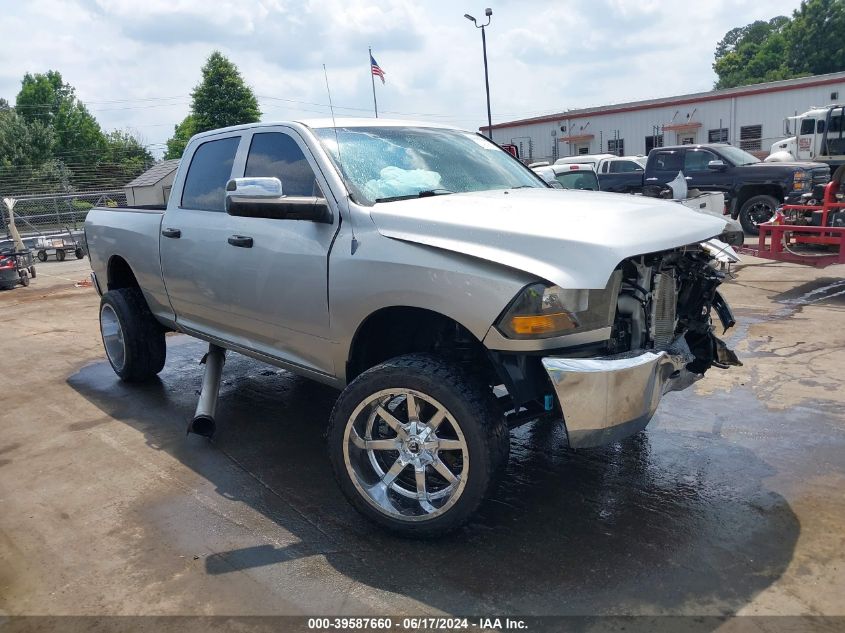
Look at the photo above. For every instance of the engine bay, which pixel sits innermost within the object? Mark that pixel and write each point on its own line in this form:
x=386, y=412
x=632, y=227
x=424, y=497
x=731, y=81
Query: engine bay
x=673, y=295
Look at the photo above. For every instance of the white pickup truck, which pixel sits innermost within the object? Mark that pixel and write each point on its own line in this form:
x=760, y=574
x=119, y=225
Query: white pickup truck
x=430, y=276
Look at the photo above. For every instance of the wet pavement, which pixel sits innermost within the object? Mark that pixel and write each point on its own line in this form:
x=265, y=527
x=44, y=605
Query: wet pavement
x=728, y=502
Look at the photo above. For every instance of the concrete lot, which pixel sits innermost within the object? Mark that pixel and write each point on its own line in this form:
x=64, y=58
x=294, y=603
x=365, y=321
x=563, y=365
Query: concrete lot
x=731, y=502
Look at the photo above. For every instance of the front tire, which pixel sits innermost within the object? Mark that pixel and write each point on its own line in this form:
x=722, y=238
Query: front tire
x=133, y=339
x=416, y=444
x=755, y=211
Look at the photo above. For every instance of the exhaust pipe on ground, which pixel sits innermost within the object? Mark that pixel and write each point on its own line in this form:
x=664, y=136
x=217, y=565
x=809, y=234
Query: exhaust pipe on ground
x=203, y=421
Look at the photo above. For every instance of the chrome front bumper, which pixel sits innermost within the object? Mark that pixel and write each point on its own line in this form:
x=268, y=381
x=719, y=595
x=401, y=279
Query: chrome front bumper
x=606, y=399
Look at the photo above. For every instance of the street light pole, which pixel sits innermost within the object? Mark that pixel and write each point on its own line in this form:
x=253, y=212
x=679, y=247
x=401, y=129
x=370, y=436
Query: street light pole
x=489, y=14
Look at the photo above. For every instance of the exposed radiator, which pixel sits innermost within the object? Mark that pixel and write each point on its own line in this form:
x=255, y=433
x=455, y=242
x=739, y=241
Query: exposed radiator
x=663, y=308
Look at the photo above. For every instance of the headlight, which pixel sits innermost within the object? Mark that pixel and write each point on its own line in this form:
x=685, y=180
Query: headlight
x=543, y=311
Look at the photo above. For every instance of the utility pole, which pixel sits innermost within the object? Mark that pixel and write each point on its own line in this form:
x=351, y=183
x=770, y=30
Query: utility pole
x=489, y=13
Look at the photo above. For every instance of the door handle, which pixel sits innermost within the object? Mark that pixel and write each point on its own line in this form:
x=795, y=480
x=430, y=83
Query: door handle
x=651, y=179
x=241, y=240
x=687, y=177
x=177, y=233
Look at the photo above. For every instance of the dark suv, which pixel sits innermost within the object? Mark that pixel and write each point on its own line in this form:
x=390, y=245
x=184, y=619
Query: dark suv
x=753, y=189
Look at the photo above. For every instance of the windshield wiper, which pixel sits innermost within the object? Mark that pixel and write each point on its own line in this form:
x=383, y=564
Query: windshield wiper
x=427, y=193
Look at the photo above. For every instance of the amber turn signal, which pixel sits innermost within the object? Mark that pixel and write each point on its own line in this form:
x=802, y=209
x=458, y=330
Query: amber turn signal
x=542, y=323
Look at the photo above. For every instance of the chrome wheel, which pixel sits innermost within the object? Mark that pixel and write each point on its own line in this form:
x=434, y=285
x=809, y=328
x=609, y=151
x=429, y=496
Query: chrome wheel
x=406, y=454
x=112, y=336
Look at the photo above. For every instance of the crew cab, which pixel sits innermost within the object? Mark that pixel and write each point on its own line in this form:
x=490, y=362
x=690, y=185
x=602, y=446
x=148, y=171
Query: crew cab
x=438, y=283
x=618, y=174
x=753, y=189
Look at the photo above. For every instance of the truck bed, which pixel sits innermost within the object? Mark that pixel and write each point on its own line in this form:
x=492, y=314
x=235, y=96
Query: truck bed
x=136, y=232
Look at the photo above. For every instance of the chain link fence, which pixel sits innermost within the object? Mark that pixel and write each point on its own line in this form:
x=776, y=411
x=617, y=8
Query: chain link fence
x=50, y=213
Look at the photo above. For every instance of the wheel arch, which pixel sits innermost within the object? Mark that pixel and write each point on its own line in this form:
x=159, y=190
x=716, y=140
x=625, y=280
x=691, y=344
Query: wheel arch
x=749, y=191
x=119, y=274
x=397, y=330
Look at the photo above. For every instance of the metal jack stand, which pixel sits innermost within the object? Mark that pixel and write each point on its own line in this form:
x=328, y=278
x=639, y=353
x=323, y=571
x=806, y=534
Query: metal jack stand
x=203, y=422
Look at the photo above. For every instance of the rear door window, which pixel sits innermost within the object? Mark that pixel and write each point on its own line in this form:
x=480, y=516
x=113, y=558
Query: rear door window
x=624, y=167
x=582, y=179
x=210, y=170
x=277, y=155
x=668, y=161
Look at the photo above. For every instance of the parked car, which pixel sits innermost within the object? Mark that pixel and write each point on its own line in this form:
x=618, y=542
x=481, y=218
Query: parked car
x=618, y=174
x=571, y=176
x=753, y=189
x=429, y=275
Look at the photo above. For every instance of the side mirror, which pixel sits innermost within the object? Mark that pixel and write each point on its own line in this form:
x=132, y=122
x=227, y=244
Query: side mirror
x=716, y=165
x=264, y=198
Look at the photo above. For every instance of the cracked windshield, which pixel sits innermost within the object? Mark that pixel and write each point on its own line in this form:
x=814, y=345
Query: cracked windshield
x=382, y=164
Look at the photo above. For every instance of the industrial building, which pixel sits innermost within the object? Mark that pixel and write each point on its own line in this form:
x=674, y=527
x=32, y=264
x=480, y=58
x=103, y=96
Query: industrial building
x=750, y=117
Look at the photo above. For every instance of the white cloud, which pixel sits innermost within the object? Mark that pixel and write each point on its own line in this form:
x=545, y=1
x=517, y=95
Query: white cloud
x=135, y=64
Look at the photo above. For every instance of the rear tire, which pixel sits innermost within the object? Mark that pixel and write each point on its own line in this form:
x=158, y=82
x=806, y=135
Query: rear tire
x=60, y=255
x=755, y=211
x=133, y=339
x=79, y=253
x=24, y=278
x=416, y=444
x=32, y=271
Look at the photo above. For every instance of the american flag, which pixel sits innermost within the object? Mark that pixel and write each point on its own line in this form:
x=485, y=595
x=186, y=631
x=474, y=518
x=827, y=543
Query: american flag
x=377, y=71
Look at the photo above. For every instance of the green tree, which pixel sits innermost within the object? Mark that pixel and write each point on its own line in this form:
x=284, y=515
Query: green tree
x=752, y=54
x=23, y=143
x=182, y=133
x=123, y=146
x=42, y=95
x=79, y=139
x=124, y=158
x=817, y=37
x=221, y=99
x=46, y=99
x=811, y=42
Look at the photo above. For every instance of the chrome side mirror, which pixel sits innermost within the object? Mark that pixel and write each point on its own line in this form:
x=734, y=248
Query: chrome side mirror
x=264, y=198
x=254, y=188
x=716, y=165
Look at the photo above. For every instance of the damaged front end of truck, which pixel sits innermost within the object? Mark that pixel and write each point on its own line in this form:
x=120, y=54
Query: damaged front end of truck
x=663, y=338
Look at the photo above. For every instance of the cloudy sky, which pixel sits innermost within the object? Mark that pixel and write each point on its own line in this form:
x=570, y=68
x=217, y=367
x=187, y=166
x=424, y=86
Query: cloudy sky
x=135, y=62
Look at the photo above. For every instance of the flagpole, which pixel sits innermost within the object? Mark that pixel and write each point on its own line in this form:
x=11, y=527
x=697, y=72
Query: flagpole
x=373, y=81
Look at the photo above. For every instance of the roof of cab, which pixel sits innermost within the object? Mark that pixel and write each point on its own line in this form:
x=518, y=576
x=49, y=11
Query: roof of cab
x=345, y=122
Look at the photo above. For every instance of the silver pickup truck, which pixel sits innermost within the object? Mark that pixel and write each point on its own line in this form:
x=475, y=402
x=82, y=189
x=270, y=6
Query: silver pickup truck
x=440, y=284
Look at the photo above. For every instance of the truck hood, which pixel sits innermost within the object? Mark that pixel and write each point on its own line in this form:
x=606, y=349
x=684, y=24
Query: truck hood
x=790, y=164
x=573, y=239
